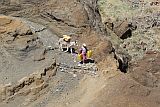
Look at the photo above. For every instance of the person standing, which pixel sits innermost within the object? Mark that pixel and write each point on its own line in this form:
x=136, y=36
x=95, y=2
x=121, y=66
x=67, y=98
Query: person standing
x=83, y=52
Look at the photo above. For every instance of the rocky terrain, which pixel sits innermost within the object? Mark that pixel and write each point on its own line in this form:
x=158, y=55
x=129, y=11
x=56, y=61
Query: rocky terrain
x=124, y=37
x=136, y=22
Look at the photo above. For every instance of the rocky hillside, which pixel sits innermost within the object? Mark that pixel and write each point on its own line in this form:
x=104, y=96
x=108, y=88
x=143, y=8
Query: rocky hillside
x=124, y=37
x=136, y=22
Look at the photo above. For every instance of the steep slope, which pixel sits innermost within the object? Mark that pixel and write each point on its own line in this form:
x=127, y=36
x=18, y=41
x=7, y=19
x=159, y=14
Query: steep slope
x=37, y=74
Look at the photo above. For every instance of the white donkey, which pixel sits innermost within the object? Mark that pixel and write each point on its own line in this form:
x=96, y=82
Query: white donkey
x=71, y=46
x=68, y=45
x=63, y=44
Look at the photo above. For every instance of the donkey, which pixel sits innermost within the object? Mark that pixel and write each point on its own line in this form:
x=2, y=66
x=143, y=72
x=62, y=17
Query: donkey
x=68, y=45
x=71, y=46
x=63, y=44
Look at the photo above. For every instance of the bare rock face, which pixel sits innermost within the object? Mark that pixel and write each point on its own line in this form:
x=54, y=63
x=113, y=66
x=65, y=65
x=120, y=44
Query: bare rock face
x=71, y=13
x=20, y=48
x=33, y=84
x=15, y=35
x=14, y=26
x=102, y=50
x=66, y=16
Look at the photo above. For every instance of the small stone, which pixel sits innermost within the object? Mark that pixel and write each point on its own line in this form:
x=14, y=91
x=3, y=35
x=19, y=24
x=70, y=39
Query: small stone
x=57, y=90
x=79, y=65
x=62, y=70
x=74, y=75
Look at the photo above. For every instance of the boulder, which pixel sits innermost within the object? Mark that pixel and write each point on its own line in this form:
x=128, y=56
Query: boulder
x=4, y=20
x=2, y=29
x=123, y=29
